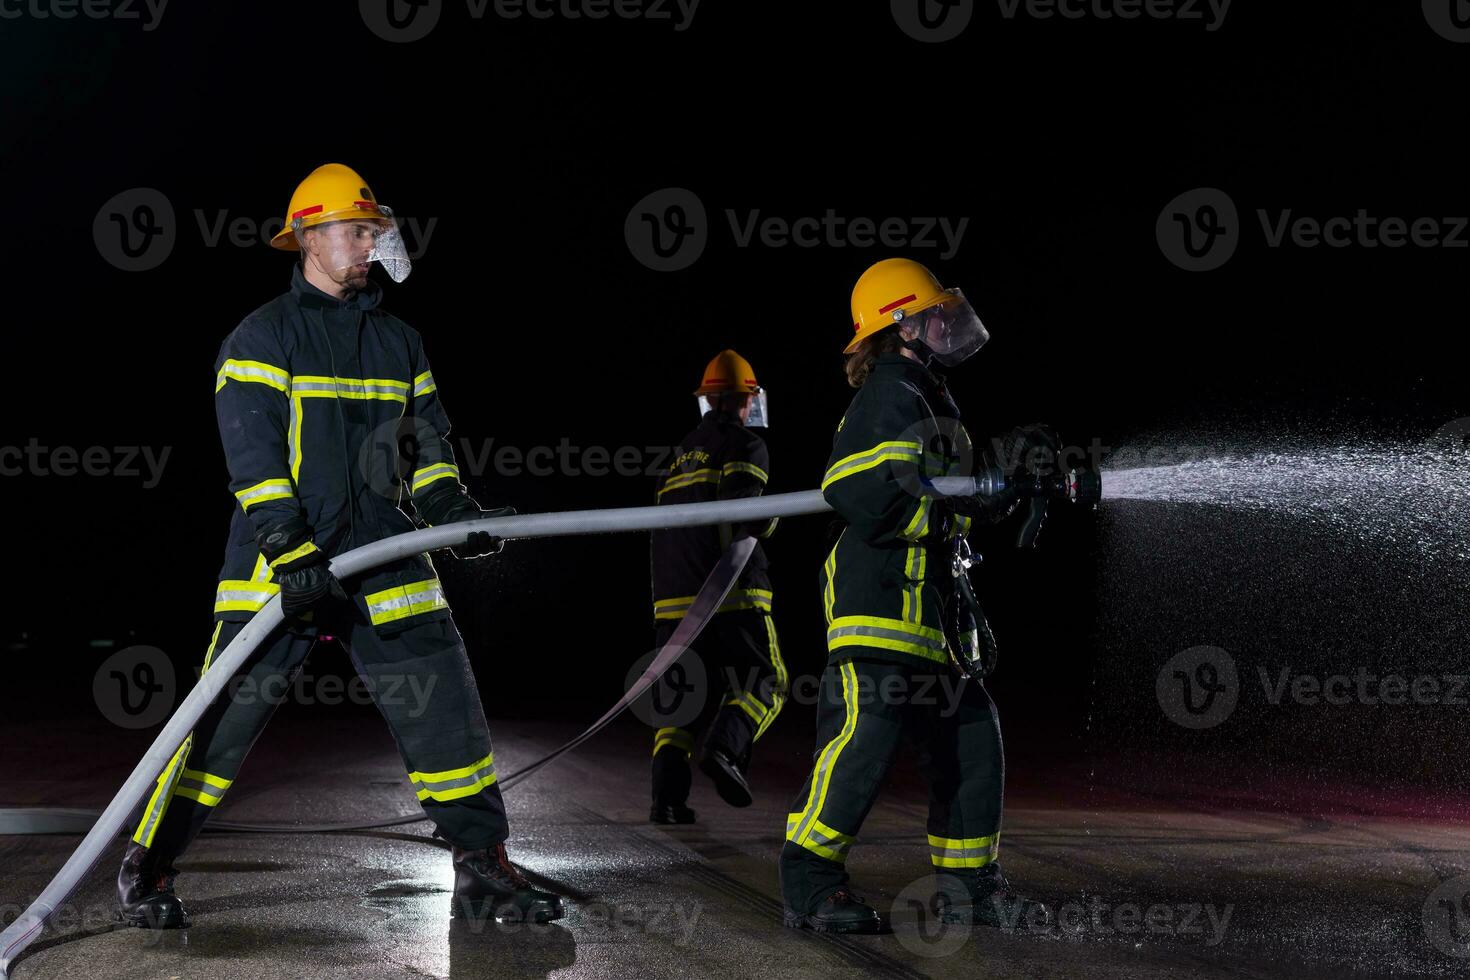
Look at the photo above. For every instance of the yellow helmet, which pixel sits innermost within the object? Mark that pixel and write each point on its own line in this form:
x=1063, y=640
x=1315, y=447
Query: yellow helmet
x=727, y=372
x=331, y=192
x=889, y=291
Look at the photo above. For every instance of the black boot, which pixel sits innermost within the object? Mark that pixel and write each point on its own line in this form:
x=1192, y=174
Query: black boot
x=145, y=891
x=993, y=902
x=486, y=883
x=842, y=911
x=728, y=774
x=670, y=813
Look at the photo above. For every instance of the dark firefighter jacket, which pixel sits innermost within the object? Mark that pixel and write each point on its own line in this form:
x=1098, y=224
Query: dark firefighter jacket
x=720, y=460
x=311, y=393
x=883, y=581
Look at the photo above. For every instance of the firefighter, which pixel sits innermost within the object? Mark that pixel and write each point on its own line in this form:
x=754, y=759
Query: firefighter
x=884, y=585
x=721, y=459
x=303, y=387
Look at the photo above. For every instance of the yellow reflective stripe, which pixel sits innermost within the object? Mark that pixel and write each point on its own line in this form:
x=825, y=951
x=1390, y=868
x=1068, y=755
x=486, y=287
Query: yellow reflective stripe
x=750, y=706
x=294, y=438
x=273, y=489
x=428, y=474
x=799, y=830
x=887, y=634
x=236, y=595
x=869, y=458
x=423, y=384
x=401, y=602
x=740, y=467
x=830, y=596
x=770, y=528
x=915, y=562
x=968, y=852
x=163, y=791
x=294, y=554
x=256, y=371
x=209, y=653
x=209, y=779
x=263, y=571
x=454, y=784
x=778, y=692
x=918, y=525
x=707, y=475
x=677, y=737
x=962, y=523
x=677, y=607
x=319, y=386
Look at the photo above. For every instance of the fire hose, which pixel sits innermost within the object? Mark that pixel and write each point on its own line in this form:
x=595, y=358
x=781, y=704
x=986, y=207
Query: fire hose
x=19, y=934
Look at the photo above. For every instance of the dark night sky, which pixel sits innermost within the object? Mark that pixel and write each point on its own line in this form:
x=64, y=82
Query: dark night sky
x=529, y=141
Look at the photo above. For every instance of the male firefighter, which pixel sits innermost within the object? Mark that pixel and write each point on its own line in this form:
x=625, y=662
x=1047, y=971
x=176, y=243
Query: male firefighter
x=884, y=586
x=302, y=387
x=721, y=459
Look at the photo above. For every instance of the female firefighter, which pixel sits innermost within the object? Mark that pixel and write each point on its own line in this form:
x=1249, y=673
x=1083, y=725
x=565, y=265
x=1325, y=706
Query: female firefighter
x=886, y=584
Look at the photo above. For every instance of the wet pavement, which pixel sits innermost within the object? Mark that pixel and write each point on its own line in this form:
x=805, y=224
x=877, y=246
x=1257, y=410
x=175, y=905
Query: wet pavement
x=1153, y=877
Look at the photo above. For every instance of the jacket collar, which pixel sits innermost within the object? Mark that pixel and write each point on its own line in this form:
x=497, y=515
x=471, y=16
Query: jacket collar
x=906, y=368
x=308, y=295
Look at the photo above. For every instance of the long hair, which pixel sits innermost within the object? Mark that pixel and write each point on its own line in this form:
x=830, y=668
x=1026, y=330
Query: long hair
x=860, y=362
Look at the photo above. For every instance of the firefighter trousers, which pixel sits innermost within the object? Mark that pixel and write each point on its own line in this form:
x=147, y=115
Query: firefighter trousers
x=421, y=682
x=738, y=688
x=865, y=708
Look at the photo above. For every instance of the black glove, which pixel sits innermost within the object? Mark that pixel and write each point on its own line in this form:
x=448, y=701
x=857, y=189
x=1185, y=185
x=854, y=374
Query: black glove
x=451, y=507
x=299, y=568
x=1029, y=449
x=308, y=584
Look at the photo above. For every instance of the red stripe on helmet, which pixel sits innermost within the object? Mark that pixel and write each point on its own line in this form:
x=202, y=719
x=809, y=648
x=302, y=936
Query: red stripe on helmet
x=305, y=211
x=367, y=205
x=897, y=303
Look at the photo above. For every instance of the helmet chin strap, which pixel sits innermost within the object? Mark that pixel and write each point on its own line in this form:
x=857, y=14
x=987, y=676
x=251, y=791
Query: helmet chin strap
x=921, y=349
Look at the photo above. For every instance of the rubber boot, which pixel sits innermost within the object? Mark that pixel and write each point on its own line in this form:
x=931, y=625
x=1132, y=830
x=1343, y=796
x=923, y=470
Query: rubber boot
x=671, y=784
x=667, y=813
x=993, y=902
x=841, y=911
x=728, y=775
x=145, y=891
x=486, y=883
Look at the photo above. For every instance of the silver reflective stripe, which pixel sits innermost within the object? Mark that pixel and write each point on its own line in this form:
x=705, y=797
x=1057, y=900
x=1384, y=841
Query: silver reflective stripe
x=215, y=793
x=269, y=488
x=424, y=385
x=882, y=633
x=345, y=386
x=404, y=599
x=439, y=786
x=233, y=595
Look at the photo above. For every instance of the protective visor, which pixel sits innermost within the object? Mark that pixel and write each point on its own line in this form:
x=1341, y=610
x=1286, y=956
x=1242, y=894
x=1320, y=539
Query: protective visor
x=759, y=417
x=951, y=330
x=349, y=244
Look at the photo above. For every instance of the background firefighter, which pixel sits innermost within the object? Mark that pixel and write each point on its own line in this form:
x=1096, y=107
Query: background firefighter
x=884, y=587
x=721, y=459
x=303, y=386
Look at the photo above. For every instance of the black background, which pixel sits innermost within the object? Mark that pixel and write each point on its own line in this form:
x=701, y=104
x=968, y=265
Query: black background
x=528, y=141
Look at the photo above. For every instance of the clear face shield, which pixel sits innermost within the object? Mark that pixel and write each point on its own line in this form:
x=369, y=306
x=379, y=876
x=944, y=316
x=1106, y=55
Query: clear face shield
x=345, y=249
x=750, y=406
x=950, y=331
